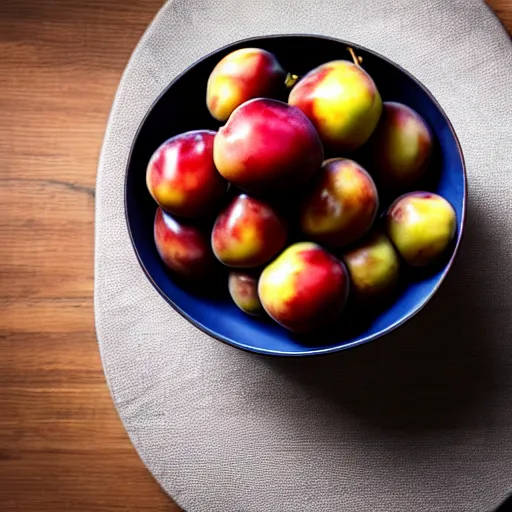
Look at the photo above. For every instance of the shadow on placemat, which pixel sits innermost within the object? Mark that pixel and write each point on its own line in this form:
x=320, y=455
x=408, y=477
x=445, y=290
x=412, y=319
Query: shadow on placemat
x=506, y=506
x=435, y=372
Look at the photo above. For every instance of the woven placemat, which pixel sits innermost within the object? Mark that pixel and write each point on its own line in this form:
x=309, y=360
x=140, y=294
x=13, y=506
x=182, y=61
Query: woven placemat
x=419, y=421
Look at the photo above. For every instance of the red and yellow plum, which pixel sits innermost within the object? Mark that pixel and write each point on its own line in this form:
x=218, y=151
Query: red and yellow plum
x=241, y=76
x=181, y=175
x=342, y=101
x=184, y=248
x=267, y=145
x=341, y=205
x=374, y=268
x=305, y=288
x=400, y=148
x=243, y=288
x=421, y=225
x=248, y=233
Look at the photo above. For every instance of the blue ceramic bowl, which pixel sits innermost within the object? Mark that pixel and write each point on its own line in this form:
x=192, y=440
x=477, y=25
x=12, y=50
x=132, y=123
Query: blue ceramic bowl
x=182, y=107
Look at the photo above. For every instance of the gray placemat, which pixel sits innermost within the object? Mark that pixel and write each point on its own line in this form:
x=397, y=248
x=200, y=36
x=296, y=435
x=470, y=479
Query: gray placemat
x=420, y=421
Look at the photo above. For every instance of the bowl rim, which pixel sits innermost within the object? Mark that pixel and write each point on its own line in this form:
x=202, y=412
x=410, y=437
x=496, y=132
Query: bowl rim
x=307, y=352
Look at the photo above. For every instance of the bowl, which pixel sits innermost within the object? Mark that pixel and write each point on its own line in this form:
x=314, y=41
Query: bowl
x=182, y=107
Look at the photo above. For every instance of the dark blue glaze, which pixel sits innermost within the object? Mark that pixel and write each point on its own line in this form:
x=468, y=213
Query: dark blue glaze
x=182, y=107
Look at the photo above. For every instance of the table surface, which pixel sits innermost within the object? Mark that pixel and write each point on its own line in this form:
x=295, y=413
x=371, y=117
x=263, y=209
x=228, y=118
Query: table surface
x=62, y=445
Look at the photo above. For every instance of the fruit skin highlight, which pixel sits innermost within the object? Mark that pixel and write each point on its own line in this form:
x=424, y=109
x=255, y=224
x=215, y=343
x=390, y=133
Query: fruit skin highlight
x=267, y=145
x=185, y=249
x=342, y=101
x=248, y=233
x=241, y=76
x=305, y=288
x=341, y=205
x=243, y=288
x=182, y=177
x=421, y=226
x=401, y=147
x=374, y=268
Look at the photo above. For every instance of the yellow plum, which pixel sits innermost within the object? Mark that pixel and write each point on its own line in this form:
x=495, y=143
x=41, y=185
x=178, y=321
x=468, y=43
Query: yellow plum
x=241, y=76
x=374, y=268
x=400, y=148
x=248, y=233
x=305, y=288
x=341, y=204
x=342, y=101
x=421, y=225
x=243, y=288
x=182, y=177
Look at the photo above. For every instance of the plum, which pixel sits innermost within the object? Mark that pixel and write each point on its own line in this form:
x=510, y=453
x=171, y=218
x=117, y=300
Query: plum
x=248, y=233
x=241, y=76
x=341, y=204
x=400, y=148
x=374, y=267
x=305, y=288
x=181, y=175
x=184, y=248
x=342, y=101
x=243, y=288
x=267, y=145
x=421, y=225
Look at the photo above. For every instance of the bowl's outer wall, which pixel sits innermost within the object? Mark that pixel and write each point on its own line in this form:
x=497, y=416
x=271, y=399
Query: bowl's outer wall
x=182, y=107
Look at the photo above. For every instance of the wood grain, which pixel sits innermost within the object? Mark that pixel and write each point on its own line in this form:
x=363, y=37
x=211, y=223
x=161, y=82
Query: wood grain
x=503, y=8
x=62, y=446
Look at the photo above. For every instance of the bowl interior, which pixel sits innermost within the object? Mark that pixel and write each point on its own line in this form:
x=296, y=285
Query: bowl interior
x=182, y=107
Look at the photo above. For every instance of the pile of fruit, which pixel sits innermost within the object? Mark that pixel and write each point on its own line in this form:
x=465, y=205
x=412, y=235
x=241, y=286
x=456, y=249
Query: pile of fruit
x=296, y=231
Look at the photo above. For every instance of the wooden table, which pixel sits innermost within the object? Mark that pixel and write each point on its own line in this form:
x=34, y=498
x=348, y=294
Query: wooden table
x=62, y=446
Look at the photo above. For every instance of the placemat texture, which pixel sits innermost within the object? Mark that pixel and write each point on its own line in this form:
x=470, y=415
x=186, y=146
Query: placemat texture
x=419, y=421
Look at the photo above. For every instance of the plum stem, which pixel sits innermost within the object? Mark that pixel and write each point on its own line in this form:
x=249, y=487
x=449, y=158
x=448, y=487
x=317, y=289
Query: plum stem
x=357, y=59
x=290, y=80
